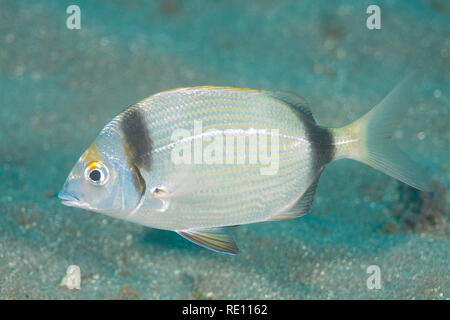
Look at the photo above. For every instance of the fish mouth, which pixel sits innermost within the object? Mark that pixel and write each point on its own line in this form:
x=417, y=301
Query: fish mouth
x=68, y=199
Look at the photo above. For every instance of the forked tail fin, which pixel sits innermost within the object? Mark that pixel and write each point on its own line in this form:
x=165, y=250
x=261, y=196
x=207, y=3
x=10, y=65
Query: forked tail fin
x=368, y=139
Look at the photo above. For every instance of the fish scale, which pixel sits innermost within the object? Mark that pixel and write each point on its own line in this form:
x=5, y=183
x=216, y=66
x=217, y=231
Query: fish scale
x=226, y=204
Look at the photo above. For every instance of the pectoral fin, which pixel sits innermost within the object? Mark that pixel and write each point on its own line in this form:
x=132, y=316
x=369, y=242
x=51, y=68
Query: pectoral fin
x=216, y=239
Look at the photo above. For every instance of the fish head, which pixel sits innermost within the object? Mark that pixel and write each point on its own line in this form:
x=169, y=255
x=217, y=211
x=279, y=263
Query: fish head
x=103, y=181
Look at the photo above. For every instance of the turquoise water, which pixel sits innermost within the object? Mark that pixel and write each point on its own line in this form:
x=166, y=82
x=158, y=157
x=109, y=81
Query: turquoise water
x=58, y=87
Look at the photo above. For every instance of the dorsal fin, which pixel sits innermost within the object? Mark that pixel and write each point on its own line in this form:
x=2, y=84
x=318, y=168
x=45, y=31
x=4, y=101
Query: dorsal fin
x=302, y=206
x=216, y=239
x=294, y=100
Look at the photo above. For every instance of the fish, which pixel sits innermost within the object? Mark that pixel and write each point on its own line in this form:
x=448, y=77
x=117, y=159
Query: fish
x=165, y=162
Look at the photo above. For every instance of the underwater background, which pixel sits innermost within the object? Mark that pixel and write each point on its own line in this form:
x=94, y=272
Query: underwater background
x=59, y=87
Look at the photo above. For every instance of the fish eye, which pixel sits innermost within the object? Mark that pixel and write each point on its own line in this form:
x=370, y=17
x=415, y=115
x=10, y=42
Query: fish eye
x=96, y=173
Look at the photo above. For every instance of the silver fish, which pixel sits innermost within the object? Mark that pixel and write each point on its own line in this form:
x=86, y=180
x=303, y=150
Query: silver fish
x=129, y=172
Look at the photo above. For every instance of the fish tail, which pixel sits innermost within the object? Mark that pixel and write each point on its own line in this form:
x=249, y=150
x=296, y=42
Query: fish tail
x=368, y=139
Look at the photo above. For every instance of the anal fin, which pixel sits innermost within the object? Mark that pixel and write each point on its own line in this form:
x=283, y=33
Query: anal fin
x=216, y=239
x=302, y=206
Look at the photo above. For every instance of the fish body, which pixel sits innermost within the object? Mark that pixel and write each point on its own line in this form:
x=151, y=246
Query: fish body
x=219, y=193
x=195, y=160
